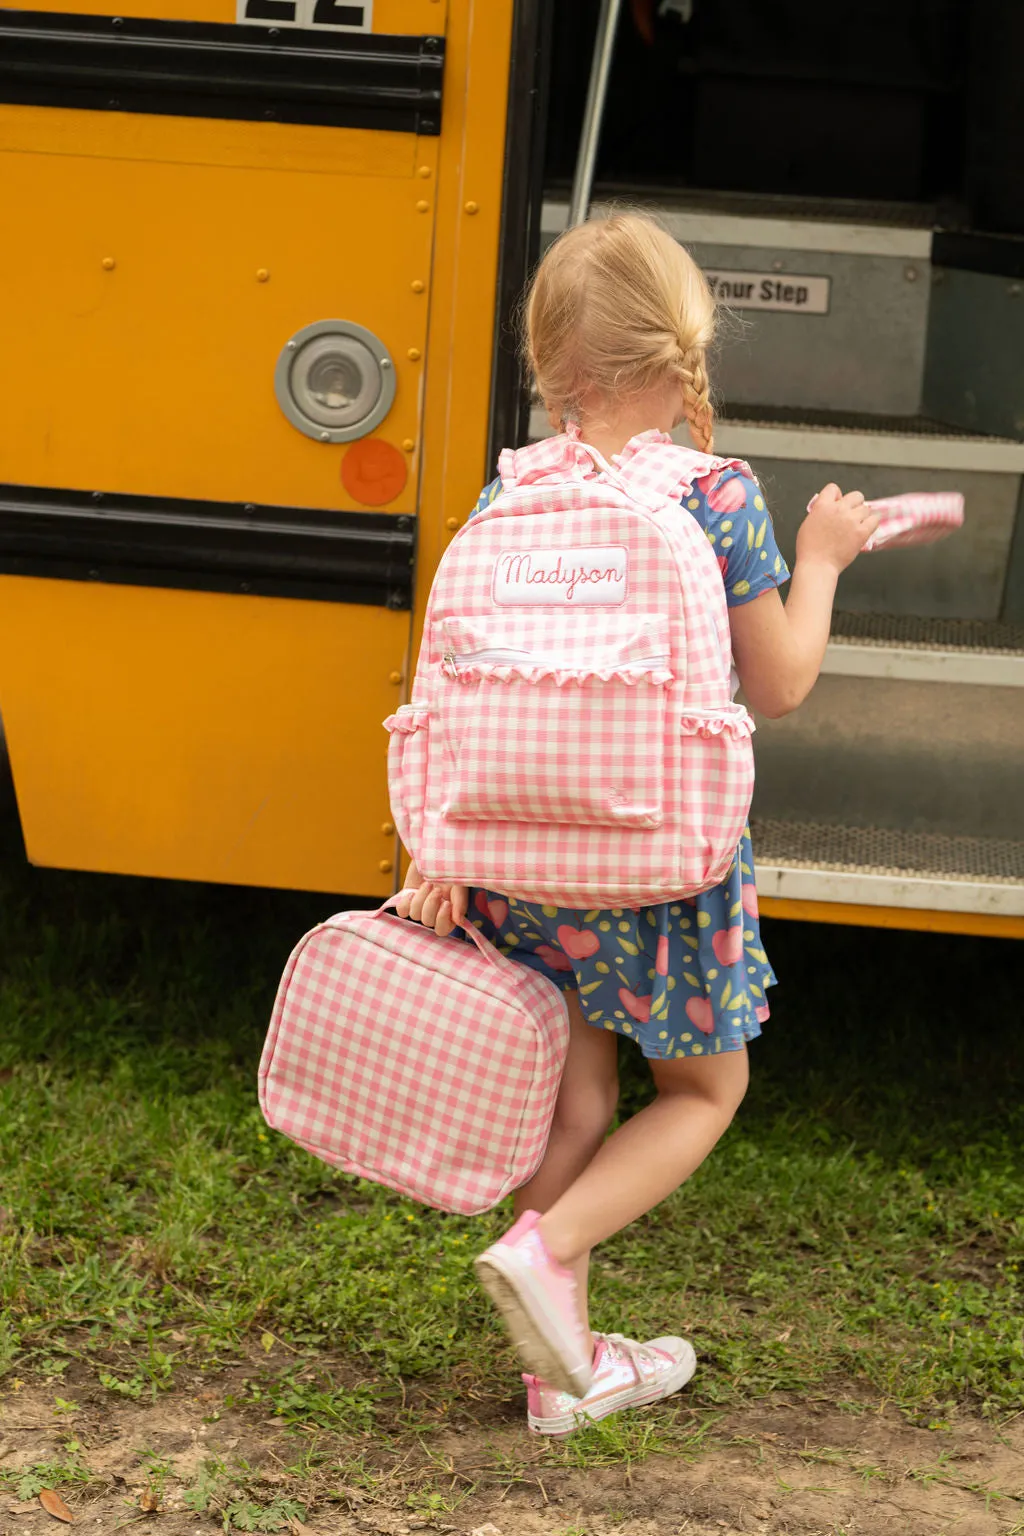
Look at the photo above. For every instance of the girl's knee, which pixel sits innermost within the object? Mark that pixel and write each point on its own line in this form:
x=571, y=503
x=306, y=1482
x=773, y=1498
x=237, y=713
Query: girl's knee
x=585, y=1111
x=720, y=1080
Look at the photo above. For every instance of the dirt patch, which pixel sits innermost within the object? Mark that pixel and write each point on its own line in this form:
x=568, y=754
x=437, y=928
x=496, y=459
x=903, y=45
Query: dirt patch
x=786, y=1469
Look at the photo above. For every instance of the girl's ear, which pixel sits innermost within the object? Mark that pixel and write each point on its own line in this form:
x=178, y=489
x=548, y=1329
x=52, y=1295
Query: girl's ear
x=555, y=421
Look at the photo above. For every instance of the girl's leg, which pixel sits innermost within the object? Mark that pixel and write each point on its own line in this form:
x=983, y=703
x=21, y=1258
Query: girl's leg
x=651, y=1155
x=587, y=1099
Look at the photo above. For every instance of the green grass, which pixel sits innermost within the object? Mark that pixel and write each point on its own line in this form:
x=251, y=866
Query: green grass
x=858, y=1232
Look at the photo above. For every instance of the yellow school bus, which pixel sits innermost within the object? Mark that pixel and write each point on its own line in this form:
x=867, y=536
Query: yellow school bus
x=258, y=279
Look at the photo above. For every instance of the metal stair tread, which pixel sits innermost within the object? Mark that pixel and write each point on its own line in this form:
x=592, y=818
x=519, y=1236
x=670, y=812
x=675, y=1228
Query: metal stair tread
x=756, y=205
x=802, y=419
x=911, y=442
x=907, y=632
x=887, y=852
x=855, y=438
x=803, y=225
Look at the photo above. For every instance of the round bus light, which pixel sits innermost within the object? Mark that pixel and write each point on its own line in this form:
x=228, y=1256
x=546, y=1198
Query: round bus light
x=335, y=381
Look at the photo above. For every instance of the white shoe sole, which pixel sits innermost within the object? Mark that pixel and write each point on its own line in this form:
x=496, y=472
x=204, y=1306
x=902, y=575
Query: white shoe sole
x=635, y=1397
x=535, y=1328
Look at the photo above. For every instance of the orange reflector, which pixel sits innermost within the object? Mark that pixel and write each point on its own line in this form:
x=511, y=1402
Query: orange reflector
x=374, y=472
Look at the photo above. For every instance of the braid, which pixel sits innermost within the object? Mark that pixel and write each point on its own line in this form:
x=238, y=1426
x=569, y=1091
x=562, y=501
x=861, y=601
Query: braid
x=618, y=308
x=696, y=401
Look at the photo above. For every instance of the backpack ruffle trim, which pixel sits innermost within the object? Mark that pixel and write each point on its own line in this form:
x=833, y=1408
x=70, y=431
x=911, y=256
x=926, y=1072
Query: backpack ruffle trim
x=408, y=719
x=473, y=672
x=736, y=724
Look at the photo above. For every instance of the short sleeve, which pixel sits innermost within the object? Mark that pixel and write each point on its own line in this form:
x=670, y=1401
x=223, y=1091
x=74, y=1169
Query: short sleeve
x=731, y=509
x=486, y=496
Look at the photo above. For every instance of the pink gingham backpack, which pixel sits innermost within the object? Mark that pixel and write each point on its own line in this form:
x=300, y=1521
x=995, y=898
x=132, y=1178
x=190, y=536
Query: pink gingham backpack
x=571, y=736
x=426, y=1064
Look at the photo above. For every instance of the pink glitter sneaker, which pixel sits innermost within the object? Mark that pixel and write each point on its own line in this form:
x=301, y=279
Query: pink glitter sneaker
x=626, y=1375
x=537, y=1298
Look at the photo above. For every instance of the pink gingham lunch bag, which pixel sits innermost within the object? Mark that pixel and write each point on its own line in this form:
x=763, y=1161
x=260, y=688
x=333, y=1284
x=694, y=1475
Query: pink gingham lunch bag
x=426, y=1064
x=571, y=736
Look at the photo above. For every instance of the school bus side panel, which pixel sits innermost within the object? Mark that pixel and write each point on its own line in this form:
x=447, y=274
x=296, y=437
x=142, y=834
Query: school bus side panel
x=211, y=727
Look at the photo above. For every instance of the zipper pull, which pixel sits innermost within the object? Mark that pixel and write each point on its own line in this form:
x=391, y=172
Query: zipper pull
x=448, y=659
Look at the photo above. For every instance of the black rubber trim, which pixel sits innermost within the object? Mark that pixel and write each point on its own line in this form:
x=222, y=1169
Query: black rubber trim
x=208, y=546
x=1013, y=592
x=522, y=196
x=998, y=255
x=206, y=69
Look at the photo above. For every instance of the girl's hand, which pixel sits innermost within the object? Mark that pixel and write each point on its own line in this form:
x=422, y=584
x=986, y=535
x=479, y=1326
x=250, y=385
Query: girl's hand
x=441, y=907
x=835, y=529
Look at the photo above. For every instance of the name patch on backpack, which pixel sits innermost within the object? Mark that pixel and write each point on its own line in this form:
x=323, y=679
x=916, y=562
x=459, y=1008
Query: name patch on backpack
x=581, y=577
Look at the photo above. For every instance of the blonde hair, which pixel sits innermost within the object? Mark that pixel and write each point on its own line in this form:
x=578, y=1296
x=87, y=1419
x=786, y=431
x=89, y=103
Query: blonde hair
x=618, y=307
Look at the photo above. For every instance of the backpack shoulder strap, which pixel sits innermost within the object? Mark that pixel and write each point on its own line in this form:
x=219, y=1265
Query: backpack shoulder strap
x=551, y=460
x=656, y=470
x=651, y=469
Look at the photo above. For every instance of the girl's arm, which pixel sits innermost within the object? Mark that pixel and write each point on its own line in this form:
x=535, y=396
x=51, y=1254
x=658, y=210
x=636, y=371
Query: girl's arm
x=779, y=648
x=441, y=907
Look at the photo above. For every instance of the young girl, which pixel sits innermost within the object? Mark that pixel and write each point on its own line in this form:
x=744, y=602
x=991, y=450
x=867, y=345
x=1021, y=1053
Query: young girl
x=618, y=323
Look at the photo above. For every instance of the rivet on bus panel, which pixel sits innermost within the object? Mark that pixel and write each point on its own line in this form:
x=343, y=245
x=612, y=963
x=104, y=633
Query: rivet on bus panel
x=394, y=677
x=422, y=207
x=414, y=354
x=386, y=866
x=453, y=524
x=408, y=445
x=388, y=829
x=108, y=263
x=472, y=207
x=262, y=275
x=418, y=285
x=424, y=171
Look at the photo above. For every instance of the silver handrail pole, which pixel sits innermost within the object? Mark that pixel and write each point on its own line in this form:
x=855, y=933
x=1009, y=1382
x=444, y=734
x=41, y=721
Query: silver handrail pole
x=600, y=69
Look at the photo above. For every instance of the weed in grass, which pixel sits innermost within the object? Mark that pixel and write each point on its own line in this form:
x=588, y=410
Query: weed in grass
x=28, y=1482
x=154, y=1373
x=505, y=1466
x=234, y=1497
x=433, y=1503
x=203, y=1494
x=158, y=1469
x=247, y=1515
x=612, y=1442
x=311, y=1399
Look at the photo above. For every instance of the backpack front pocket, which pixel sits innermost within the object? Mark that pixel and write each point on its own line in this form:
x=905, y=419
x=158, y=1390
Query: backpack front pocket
x=568, y=730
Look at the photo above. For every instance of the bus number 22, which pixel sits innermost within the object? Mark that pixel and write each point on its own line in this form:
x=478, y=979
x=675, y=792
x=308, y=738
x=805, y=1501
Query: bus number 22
x=306, y=13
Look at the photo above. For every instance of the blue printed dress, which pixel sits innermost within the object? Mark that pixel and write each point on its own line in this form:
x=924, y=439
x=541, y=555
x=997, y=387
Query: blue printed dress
x=687, y=977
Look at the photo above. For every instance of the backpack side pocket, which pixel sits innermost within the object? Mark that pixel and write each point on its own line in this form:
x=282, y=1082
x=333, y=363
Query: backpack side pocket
x=408, y=750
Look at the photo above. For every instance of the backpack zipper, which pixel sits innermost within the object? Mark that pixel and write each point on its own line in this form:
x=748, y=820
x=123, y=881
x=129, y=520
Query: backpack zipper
x=498, y=657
